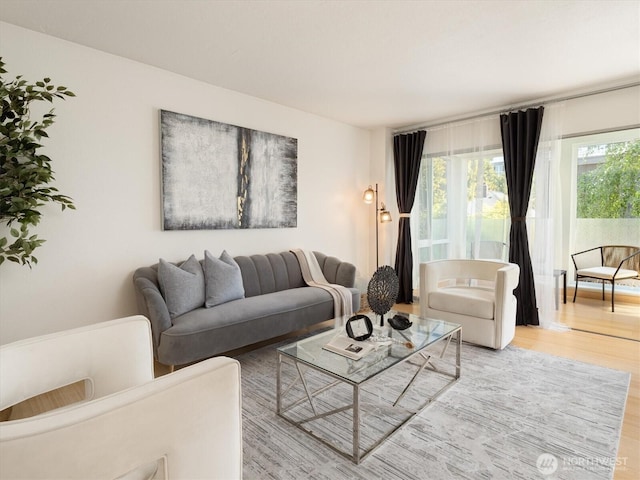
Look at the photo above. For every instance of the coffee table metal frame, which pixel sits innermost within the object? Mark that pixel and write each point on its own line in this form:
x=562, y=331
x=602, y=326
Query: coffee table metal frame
x=357, y=455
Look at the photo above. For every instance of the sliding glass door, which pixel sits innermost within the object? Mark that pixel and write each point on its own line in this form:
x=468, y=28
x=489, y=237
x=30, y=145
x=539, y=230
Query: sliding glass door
x=463, y=207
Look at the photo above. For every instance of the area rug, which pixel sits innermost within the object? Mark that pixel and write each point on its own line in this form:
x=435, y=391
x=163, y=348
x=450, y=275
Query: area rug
x=514, y=414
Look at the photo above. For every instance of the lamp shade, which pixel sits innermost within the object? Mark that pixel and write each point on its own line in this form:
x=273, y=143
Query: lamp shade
x=369, y=195
x=385, y=216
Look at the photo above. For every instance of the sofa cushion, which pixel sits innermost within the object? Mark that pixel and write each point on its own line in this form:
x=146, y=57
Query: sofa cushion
x=182, y=286
x=472, y=301
x=223, y=279
x=205, y=332
x=269, y=273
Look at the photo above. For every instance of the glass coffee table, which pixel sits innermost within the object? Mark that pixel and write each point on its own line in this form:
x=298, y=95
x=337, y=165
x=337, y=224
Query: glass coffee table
x=328, y=385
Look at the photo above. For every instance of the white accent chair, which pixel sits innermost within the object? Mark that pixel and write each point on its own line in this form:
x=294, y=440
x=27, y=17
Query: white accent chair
x=187, y=424
x=477, y=294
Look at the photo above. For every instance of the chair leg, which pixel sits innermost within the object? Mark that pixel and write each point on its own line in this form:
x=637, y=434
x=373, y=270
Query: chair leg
x=575, y=290
x=612, y=291
x=603, y=290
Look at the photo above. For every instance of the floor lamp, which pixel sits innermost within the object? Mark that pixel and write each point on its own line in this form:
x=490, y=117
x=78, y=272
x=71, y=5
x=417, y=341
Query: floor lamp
x=381, y=214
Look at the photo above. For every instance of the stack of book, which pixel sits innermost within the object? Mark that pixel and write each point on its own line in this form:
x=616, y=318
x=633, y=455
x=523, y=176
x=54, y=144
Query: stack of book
x=348, y=347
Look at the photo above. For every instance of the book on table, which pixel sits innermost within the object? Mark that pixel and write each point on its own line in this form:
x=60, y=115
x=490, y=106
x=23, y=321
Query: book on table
x=348, y=347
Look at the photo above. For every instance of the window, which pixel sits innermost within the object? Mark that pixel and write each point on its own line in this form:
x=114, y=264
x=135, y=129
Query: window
x=605, y=194
x=585, y=193
x=488, y=217
x=463, y=206
x=608, y=180
x=606, y=188
x=433, y=231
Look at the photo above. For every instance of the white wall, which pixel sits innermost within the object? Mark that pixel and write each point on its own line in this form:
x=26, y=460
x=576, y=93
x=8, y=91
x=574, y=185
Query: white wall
x=382, y=150
x=105, y=151
x=611, y=110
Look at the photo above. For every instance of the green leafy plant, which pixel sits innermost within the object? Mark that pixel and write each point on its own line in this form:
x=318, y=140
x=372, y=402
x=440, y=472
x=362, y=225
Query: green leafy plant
x=25, y=174
x=612, y=189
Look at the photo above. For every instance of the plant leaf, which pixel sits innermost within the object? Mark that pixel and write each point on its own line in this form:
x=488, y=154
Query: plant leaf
x=25, y=173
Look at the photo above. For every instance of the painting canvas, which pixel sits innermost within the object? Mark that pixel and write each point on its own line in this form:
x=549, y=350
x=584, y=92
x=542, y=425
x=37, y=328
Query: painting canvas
x=221, y=176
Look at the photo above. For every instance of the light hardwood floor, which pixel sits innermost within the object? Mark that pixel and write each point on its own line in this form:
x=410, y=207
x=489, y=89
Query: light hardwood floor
x=606, y=350
x=599, y=318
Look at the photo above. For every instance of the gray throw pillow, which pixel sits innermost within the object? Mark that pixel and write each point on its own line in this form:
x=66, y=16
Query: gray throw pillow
x=182, y=286
x=223, y=279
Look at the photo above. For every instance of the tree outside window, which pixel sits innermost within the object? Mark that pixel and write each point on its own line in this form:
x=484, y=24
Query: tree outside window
x=609, y=181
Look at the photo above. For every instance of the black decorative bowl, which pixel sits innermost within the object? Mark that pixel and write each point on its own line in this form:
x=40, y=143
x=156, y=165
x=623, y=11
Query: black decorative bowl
x=398, y=322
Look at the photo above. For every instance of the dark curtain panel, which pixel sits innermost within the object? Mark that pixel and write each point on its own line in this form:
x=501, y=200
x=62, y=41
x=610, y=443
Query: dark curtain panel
x=407, y=153
x=520, y=135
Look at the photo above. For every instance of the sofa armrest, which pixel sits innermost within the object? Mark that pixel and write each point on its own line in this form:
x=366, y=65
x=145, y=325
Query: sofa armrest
x=346, y=275
x=111, y=356
x=507, y=279
x=430, y=276
x=428, y=283
x=151, y=304
x=188, y=423
x=336, y=271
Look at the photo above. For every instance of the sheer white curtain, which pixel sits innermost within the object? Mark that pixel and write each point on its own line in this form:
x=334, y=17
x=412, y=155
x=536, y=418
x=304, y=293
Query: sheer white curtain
x=545, y=234
x=461, y=205
x=453, y=193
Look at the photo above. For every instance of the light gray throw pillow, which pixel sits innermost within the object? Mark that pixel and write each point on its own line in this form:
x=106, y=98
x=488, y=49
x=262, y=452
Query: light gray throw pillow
x=223, y=279
x=182, y=286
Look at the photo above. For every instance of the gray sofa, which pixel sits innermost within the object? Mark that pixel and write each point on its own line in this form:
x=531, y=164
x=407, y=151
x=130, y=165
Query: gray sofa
x=276, y=301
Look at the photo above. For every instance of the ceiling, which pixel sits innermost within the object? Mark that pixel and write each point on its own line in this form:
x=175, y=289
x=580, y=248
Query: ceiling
x=366, y=63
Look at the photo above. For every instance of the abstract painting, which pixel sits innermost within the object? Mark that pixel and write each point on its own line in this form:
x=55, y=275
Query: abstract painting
x=221, y=176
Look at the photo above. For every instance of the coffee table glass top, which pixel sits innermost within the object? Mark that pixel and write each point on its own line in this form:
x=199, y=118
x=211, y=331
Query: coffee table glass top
x=421, y=334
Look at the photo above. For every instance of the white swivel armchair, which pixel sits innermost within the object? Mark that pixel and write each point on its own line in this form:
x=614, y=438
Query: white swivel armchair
x=183, y=425
x=477, y=294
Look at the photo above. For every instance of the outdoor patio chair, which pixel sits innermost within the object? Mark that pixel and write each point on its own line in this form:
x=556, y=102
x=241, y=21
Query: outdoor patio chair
x=605, y=263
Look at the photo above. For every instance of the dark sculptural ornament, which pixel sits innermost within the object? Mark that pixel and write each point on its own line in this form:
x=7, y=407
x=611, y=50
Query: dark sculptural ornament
x=382, y=291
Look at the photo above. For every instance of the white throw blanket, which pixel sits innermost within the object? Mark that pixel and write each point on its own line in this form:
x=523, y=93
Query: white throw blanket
x=313, y=277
